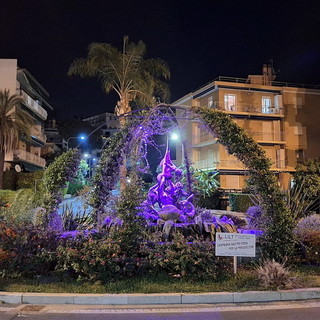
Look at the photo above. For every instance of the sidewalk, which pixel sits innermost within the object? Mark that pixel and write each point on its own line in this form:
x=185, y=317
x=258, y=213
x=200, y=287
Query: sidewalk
x=159, y=299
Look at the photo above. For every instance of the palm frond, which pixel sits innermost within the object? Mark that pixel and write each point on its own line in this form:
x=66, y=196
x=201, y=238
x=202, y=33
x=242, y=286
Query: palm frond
x=13, y=121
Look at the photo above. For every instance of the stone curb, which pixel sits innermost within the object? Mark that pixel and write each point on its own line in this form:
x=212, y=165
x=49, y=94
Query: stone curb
x=159, y=299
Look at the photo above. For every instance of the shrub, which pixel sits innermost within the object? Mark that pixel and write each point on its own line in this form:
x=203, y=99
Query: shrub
x=240, y=202
x=21, y=209
x=195, y=260
x=7, y=197
x=211, y=201
x=254, y=214
x=308, y=232
x=29, y=179
x=55, y=180
x=10, y=180
x=26, y=251
x=273, y=274
x=74, y=187
x=97, y=257
x=132, y=231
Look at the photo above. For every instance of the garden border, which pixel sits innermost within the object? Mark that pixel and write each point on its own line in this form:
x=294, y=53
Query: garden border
x=160, y=299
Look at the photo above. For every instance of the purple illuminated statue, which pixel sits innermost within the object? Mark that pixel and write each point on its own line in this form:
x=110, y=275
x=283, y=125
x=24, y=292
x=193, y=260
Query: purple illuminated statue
x=167, y=200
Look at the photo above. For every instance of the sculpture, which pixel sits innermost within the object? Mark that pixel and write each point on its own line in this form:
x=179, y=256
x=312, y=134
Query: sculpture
x=167, y=200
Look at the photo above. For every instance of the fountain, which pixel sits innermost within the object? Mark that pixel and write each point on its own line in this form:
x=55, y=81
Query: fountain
x=169, y=205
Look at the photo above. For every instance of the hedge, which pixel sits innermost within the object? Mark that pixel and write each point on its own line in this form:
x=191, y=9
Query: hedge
x=240, y=202
x=7, y=196
x=13, y=180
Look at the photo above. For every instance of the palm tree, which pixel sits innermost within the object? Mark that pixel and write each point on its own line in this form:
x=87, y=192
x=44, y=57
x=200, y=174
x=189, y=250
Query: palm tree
x=13, y=122
x=132, y=77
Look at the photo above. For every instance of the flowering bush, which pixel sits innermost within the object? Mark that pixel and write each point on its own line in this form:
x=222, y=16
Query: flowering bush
x=97, y=257
x=26, y=250
x=308, y=232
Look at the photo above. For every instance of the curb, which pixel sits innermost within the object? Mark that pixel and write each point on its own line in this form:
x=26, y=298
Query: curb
x=159, y=299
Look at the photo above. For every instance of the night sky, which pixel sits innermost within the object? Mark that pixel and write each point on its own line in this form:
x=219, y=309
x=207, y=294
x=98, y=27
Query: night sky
x=200, y=40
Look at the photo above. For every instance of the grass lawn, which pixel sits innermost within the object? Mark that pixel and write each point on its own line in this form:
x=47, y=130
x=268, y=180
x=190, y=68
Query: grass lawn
x=246, y=280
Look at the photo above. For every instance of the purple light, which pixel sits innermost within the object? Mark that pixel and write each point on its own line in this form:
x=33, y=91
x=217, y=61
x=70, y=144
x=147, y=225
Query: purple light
x=167, y=200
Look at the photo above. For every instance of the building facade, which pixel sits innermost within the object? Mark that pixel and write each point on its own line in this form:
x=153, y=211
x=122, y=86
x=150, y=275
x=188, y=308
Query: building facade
x=281, y=117
x=19, y=81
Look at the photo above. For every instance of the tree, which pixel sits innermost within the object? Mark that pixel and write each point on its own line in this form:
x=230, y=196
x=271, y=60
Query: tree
x=13, y=122
x=133, y=78
x=308, y=175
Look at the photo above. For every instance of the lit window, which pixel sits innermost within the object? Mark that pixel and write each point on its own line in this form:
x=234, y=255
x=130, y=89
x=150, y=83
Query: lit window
x=230, y=102
x=266, y=105
x=300, y=155
x=210, y=102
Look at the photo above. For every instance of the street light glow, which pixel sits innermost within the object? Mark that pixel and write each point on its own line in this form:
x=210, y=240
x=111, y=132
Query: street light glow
x=81, y=137
x=174, y=136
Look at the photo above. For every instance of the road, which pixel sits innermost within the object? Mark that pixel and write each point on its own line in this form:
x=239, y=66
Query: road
x=305, y=310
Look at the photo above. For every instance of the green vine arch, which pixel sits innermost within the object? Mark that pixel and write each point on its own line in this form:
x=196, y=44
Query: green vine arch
x=278, y=223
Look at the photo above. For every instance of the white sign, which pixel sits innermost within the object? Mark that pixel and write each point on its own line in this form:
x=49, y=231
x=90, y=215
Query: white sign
x=235, y=244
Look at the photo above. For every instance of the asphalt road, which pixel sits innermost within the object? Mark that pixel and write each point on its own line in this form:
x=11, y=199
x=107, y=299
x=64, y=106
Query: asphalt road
x=306, y=310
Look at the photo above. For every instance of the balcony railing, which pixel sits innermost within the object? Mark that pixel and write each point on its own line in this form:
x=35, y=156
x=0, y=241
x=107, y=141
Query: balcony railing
x=247, y=108
x=272, y=83
x=264, y=136
x=260, y=136
x=23, y=155
x=202, y=137
x=231, y=164
x=38, y=134
x=34, y=105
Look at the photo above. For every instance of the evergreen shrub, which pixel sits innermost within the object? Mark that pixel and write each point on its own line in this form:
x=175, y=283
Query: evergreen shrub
x=10, y=180
x=240, y=202
x=194, y=260
x=29, y=179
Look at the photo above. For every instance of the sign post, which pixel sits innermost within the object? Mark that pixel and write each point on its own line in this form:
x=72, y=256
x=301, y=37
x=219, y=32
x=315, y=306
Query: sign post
x=235, y=245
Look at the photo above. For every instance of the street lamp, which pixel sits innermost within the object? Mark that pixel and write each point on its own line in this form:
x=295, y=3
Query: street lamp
x=82, y=138
x=174, y=136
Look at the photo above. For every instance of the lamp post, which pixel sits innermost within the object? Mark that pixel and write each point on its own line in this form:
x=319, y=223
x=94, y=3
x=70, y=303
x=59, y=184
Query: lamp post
x=82, y=138
x=91, y=161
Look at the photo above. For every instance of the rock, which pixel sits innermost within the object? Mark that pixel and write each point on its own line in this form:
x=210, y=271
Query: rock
x=169, y=212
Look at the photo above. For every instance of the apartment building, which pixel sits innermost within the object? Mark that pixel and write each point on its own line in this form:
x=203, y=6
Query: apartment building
x=27, y=156
x=281, y=117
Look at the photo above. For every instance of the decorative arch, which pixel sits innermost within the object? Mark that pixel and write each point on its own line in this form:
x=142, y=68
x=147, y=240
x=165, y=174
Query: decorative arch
x=278, y=239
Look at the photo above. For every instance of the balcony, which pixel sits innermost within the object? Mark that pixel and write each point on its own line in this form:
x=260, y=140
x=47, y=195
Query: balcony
x=25, y=156
x=212, y=164
x=204, y=136
x=38, y=135
x=33, y=105
x=267, y=136
x=254, y=108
